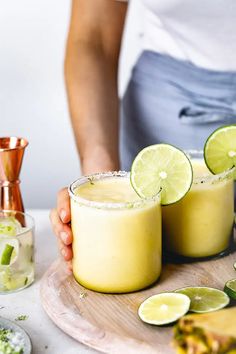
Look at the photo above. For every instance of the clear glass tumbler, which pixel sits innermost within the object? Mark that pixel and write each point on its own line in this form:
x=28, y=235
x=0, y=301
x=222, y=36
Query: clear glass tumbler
x=16, y=251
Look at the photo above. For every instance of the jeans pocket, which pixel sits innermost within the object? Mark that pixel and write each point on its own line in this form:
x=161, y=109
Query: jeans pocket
x=201, y=115
x=201, y=109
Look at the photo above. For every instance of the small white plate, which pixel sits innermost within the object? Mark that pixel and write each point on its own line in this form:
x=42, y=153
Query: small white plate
x=4, y=323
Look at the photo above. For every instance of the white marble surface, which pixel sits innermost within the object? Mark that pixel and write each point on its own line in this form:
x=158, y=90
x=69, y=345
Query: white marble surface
x=45, y=336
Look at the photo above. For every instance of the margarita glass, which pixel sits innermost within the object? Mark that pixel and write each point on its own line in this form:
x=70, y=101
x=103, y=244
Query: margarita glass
x=200, y=224
x=16, y=251
x=116, y=234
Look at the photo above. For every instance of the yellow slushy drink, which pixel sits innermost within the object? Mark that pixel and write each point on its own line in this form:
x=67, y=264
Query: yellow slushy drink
x=116, y=235
x=200, y=224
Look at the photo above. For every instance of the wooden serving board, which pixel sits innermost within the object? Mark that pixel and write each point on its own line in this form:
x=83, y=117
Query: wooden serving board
x=109, y=323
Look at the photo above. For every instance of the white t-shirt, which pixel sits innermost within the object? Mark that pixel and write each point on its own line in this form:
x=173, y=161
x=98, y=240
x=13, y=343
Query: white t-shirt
x=200, y=31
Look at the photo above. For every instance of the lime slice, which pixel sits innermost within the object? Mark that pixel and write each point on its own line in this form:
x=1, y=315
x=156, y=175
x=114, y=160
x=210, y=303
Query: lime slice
x=16, y=282
x=230, y=288
x=10, y=280
x=9, y=250
x=204, y=299
x=164, y=308
x=161, y=167
x=9, y=226
x=220, y=149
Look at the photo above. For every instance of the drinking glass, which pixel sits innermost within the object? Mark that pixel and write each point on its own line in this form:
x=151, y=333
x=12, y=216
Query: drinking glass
x=16, y=251
x=116, y=246
x=200, y=225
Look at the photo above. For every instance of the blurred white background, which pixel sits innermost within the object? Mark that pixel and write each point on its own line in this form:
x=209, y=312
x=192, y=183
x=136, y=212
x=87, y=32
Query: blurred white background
x=32, y=95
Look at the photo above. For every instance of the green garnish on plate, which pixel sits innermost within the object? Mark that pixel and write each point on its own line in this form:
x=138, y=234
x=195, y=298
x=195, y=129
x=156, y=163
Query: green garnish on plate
x=21, y=318
x=11, y=342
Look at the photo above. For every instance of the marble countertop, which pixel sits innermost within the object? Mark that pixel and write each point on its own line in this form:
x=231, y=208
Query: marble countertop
x=45, y=336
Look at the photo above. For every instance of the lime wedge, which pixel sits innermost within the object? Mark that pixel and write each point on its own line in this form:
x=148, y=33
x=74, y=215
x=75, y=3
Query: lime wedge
x=220, y=149
x=230, y=288
x=11, y=280
x=7, y=230
x=3, y=278
x=6, y=254
x=164, y=308
x=9, y=226
x=204, y=299
x=16, y=282
x=9, y=250
x=161, y=167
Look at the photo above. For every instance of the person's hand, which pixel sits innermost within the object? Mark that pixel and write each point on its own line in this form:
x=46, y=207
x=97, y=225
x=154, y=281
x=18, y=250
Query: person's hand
x=60, y=218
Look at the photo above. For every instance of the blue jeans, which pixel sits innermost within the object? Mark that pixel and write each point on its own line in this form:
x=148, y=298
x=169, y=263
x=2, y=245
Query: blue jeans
x=175, y=102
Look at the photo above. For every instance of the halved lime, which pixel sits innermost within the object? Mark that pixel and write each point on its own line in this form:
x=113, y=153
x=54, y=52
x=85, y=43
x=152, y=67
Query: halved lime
x=220, y=149
x=205, y=299
x=9, y=250
x=230, y=288
x=162, y=167
x=164, y=308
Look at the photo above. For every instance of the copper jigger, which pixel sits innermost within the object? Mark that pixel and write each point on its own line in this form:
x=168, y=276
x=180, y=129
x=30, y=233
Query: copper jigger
x=11, y=155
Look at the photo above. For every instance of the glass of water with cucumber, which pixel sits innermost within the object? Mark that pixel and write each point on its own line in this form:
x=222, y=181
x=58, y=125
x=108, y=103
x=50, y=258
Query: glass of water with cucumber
x=16, y=251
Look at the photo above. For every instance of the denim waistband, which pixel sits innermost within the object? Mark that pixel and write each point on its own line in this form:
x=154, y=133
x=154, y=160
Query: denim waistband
x=208, y=95
x=159, y=65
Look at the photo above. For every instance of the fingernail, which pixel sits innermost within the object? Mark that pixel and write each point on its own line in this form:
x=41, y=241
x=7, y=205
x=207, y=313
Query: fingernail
x=68, y=271
x=63, y=214
x=63, y=236
x=63, y=252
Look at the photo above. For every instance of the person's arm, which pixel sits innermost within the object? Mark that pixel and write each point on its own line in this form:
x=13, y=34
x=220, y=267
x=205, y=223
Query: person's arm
x=91, y=67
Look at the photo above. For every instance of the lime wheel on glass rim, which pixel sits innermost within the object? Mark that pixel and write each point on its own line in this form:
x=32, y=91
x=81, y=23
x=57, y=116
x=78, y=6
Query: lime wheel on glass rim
x=162, y=167
x=220, y=150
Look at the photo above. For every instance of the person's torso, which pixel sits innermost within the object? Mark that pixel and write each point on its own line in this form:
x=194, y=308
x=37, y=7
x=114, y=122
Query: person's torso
x=202, y=32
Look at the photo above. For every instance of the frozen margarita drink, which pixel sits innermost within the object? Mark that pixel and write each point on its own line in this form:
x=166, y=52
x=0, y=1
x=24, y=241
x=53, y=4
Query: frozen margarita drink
x=200, y=224
x=116, y=234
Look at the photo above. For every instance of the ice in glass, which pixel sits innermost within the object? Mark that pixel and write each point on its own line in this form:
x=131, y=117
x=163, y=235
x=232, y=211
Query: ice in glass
x=16, y=251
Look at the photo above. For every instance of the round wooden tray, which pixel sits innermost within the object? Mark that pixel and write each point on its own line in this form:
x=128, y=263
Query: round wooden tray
x=109, y=323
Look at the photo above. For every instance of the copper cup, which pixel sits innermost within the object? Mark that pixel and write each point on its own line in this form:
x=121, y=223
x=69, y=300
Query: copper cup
x=11, y=155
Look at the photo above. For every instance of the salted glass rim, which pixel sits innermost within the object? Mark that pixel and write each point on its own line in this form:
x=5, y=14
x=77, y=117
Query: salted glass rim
x=27, y=228
x=210, y=178
x=106, y=205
